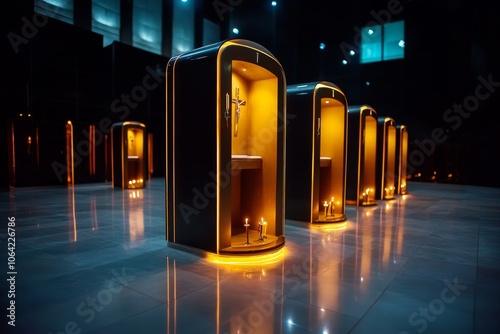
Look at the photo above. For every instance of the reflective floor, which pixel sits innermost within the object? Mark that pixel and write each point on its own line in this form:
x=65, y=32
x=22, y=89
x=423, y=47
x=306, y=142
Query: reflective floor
x=93, y=259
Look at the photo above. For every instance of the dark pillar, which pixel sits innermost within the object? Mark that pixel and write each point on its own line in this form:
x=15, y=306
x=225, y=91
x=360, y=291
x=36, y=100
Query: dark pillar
x=82, y=14
x=198, y=24
x=166, y=32
x=126, y=10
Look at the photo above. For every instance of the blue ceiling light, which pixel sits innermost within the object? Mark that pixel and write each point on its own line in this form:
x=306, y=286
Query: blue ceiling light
x=322, y=46
x=273, y=3
x=236, y=31
x=344, y=62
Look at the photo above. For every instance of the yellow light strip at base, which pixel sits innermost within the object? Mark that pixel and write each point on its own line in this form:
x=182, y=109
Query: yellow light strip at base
x=330, y=227
x=248, y=260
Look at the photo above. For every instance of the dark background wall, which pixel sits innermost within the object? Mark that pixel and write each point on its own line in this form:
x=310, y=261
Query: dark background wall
x=61, y=72
x=449, y=46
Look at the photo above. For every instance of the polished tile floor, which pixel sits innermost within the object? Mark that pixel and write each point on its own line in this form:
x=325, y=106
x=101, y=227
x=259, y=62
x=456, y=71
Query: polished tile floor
x=92, y=259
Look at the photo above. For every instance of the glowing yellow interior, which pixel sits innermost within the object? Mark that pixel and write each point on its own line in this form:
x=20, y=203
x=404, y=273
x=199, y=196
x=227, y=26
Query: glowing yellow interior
x=135, y=156
x=367, y=164
x=332, y=145
x=390, y=161
x=253, y=192
x=403, y=161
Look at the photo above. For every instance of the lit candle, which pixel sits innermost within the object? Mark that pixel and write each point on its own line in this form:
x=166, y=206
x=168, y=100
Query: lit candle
x=246, y=227
x=326, y=207
x=332, y=207
x=261, y=229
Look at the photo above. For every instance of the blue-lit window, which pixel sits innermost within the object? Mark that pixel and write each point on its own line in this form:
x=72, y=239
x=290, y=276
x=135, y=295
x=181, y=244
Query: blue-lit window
x=106, y=19
x=371, y=44
x=394, y=47
x=183, y=27
x=146, y=25
x=382, y=42
x=59, y=9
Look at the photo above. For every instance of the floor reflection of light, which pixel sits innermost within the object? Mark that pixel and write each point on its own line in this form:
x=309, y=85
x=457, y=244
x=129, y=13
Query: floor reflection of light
x=255, y=315
x=135, y=207
x=330, y=227
x=247, y=260
x=72, y=212
x=93, y=212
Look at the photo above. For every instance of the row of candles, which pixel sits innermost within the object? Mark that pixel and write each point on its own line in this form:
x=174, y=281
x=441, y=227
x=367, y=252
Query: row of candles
x=329, y=208
x=366, y=195
x=136, y=183
x=262, y=230
x=389, y=192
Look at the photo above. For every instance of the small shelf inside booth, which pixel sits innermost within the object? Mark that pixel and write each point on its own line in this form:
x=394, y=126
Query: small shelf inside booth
x=242, y=161
x=325, y=161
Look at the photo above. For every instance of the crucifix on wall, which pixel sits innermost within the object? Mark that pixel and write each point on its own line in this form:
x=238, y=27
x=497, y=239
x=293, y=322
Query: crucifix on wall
x=238, y=103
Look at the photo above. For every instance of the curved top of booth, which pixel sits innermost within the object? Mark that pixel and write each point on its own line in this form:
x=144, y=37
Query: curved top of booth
x=129, y=123
x=360, y=108
x=386, y=120
x=309, y=87
x=215, y=48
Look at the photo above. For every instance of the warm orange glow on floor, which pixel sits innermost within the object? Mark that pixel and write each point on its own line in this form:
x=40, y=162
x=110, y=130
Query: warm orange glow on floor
x=248, y=260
